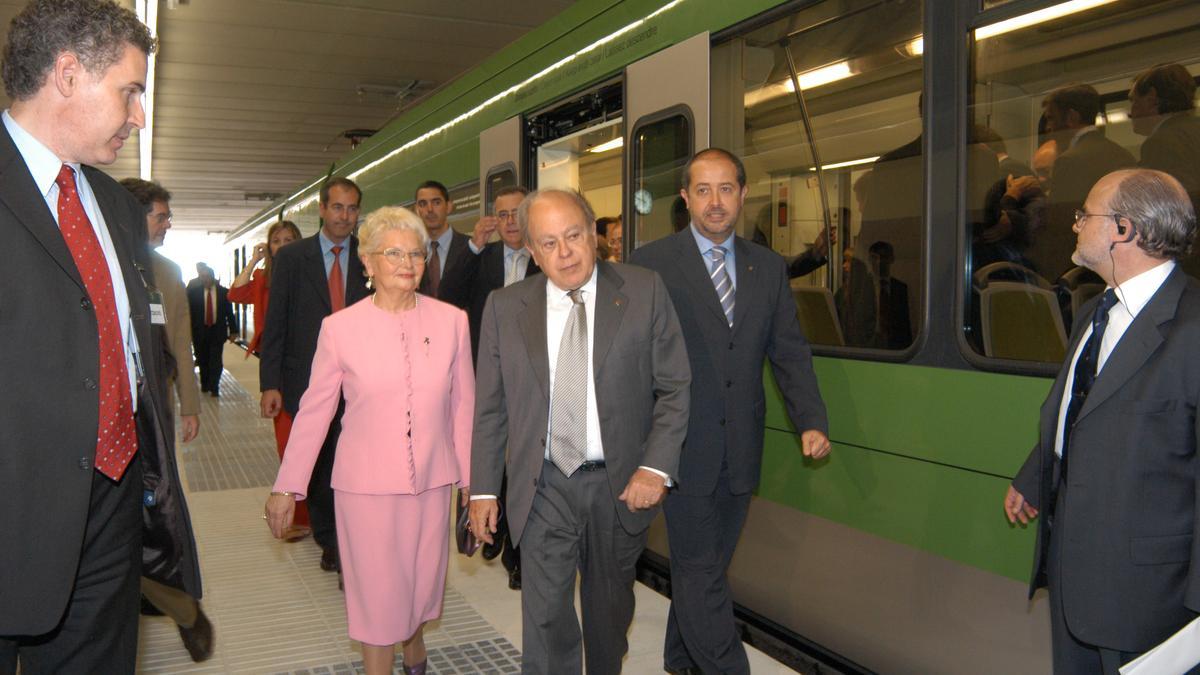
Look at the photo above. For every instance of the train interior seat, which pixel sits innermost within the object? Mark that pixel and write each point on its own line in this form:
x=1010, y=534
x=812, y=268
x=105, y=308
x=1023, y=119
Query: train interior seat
x=818, y=315
x=1021, y=321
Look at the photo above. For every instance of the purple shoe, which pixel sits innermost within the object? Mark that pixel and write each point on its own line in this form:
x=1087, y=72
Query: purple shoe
x=415, y=669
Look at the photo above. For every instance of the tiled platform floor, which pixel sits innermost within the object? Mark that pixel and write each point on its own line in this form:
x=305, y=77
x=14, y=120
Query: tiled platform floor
x=275, y=611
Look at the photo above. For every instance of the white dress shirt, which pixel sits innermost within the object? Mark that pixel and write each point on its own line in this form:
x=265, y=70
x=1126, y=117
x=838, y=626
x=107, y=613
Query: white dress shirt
x=558, y=310
x=44, y=165
x=1132, y=297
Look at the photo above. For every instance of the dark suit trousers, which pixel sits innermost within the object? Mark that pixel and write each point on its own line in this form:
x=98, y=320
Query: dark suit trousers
x=1072, y=657
x=320, y=494
x=573, y=527
x=98, y=633
x=703, y=532
x=209, y=345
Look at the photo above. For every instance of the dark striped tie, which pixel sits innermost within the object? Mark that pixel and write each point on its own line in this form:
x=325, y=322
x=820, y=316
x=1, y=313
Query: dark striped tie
x=722, y=281
x=1085, y=369
x=568, y=399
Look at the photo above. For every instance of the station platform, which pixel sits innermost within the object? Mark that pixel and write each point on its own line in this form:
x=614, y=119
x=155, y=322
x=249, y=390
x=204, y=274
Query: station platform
x=272, y=608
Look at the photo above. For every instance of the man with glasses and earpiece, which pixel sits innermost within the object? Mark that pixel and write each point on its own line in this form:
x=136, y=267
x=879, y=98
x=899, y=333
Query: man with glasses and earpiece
x=1114, y=473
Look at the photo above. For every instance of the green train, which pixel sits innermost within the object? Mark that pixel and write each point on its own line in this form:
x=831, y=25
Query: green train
x=879, y=137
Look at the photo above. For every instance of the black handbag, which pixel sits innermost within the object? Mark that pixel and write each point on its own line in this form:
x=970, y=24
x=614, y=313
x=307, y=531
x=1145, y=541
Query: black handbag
x=463, y=537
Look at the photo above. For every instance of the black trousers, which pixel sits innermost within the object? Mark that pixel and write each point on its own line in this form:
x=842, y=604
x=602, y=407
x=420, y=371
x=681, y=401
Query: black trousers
x=703, y=532
x=209, y=346
x=321, y=514
x=98, y=633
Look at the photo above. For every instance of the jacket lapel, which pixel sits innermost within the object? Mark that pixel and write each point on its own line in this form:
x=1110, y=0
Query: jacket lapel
x=610, y=308
x=316, y=271
x=1138, y=343
x=695, y=271
x=21, y=196
x=533, y=328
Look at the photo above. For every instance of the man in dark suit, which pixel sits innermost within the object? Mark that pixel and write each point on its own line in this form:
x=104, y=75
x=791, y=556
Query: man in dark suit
x=1085, y=154
x=492, y=266
x=449, y=251
x=1115, y=467
x=736, y=310
x=310, y=280
x=84, y=467
x=583, y=377
x=213, y=323
x=1162, y=105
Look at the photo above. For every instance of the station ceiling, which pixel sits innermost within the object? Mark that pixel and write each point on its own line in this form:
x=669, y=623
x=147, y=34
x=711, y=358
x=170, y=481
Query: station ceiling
x=254, y=97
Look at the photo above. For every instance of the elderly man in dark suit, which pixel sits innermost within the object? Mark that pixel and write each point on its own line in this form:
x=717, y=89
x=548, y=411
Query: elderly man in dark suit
x=312, y=279
x=583, y=377
x=736, y=309
x=83, y=462
x=1115, y=469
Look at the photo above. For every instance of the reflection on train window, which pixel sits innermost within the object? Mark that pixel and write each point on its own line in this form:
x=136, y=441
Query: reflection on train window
x=852, y=232
x=496, y=181
x=1120, y=94
x=660, y=149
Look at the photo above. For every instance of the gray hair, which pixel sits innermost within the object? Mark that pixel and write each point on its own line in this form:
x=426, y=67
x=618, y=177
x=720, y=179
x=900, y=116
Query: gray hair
x=96, y=31
x=386, y=219
x=589, y=216
x=1159, y=209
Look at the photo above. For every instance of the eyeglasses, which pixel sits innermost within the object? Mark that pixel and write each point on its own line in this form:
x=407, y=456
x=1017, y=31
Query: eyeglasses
x=161, y=218
x=506, y=215
x=395, y=255
x=1081, y=216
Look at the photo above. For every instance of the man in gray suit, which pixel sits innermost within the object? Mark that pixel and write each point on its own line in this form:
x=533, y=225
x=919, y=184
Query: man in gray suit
x=736, y=310
x=1115, y=468
x=583, y=375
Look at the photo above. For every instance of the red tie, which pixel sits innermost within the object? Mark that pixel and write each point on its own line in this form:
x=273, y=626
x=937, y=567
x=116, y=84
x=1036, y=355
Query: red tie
x=337, y=287
x=209, y=312
x=116, y=440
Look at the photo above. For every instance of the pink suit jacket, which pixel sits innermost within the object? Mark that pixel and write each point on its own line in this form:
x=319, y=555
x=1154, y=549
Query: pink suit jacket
x=396, y=372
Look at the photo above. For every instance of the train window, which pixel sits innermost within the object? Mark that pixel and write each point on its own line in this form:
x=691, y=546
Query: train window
x=465, y=198
x=498, y=179
x=852, y=229
x=1041, y=136
x=660, y=149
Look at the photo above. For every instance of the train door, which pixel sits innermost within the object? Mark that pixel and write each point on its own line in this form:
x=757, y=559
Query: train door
x=500, y=161
x=667, y=105
x=577, y=143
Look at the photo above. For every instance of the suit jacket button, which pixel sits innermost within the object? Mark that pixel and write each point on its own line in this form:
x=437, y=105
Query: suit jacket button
x=731, y=345
x=85, y=303
x=543, y=442
x=728, y=383
x=85, y=464
x=89, y=383
x=722, y=421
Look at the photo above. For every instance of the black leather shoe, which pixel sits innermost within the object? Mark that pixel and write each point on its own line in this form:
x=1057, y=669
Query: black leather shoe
x=329, y=560
x=514, y=579
x=198, y=640
x=148, y=608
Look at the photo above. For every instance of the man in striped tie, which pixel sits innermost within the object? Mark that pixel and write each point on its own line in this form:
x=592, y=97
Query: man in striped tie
x=736, y=310
x=83, y=460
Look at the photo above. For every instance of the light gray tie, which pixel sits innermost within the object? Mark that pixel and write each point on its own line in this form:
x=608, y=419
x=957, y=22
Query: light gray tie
x=513, y=270
x=568, y=400
x=722, y=281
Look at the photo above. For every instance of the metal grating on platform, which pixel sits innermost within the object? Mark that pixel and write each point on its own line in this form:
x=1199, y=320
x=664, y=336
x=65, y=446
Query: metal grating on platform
x=235, y=448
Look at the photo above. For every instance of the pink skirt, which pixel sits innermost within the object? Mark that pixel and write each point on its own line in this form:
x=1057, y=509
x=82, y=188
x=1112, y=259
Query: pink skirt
x=394, y=551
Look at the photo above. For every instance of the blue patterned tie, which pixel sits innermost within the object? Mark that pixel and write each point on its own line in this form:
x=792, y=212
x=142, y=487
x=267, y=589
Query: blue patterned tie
x=722, y=281
x=1085, y=370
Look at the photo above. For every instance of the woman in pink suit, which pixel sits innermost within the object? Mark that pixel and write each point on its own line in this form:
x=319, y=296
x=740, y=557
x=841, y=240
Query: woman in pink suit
x=402, y=361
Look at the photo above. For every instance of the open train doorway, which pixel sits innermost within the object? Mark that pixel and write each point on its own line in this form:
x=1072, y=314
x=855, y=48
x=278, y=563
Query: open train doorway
x=578, y=144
